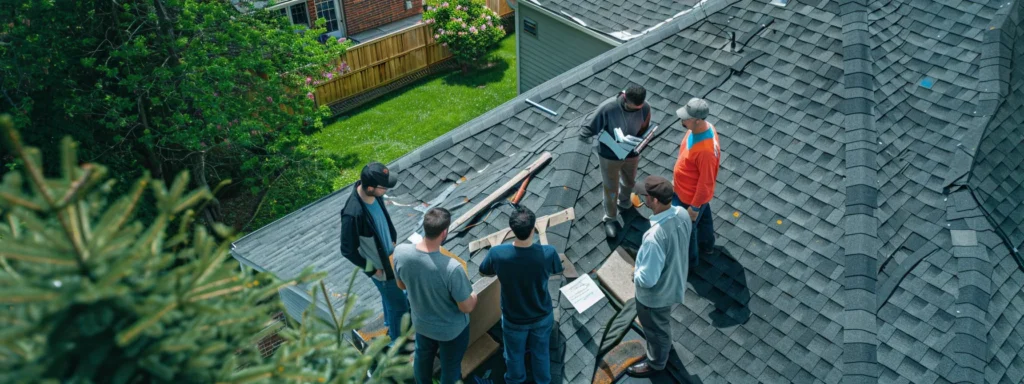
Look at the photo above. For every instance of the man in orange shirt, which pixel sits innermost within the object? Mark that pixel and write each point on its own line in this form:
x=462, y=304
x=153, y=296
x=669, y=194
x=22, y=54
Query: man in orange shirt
x=695, y=173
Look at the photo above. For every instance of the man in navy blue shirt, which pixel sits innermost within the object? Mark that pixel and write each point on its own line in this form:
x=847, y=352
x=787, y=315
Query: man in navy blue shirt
x=523, y=268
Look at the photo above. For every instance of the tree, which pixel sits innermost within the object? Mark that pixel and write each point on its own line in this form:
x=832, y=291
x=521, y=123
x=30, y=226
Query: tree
x=467, y=27
x=93, y=294
x=167, y=85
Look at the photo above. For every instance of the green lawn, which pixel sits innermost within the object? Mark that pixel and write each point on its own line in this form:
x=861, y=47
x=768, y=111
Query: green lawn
x=393, y=125
x=404, y=120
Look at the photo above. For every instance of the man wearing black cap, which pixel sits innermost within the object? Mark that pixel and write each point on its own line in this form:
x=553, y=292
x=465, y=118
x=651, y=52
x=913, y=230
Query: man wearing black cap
x=660, y=272
x=368, y=238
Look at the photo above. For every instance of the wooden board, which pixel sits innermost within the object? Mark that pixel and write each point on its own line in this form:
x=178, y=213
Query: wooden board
x=616, y=275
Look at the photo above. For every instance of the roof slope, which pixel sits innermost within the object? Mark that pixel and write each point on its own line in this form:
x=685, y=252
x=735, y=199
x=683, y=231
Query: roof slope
x=620, y=19
x=840, y=259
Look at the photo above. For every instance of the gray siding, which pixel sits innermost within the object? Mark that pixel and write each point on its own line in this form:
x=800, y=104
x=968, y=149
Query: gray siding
x=555, y=49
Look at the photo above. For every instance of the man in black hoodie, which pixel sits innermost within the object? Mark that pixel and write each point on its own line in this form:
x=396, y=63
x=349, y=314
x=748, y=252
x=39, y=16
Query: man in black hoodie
x=368, y=238
x=628, y=112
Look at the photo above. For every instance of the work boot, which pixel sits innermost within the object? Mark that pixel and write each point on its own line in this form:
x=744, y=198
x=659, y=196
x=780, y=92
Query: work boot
x=611, y=228
x=642, y=369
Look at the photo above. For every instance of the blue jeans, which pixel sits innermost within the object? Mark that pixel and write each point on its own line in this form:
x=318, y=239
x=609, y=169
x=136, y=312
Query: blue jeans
x=703, y=234
x=534, y=337
x=395, y=306
x=451, y=358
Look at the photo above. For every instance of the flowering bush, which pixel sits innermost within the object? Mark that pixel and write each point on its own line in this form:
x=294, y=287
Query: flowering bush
x=466, y=27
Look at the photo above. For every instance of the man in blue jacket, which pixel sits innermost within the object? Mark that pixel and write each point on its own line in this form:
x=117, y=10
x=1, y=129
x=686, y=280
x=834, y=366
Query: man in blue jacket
x=368, y=239
x=660, y=276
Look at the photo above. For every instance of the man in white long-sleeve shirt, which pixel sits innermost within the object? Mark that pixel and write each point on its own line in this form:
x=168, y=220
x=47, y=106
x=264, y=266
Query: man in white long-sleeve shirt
x=660, y=274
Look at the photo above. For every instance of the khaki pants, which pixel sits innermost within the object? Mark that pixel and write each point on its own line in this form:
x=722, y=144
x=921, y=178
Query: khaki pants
x=619, y=176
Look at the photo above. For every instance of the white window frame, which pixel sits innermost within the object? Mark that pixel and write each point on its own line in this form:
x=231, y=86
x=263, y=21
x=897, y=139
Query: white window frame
x=287, y=6
x=339, y=12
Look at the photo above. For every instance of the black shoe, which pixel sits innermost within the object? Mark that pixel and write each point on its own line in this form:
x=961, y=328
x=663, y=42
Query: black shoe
x=611, y=228
x=641, y=370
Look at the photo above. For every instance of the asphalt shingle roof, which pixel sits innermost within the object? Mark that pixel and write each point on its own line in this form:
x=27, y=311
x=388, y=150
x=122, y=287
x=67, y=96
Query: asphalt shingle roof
x=867, y=209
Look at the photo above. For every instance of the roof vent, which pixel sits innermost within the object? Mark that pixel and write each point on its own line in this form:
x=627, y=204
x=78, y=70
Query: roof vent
x=780, y=3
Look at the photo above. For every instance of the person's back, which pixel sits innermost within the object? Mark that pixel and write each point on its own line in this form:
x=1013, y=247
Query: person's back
x=441, y=298
x=523, y=273
x=523, y=269
x=429, y=282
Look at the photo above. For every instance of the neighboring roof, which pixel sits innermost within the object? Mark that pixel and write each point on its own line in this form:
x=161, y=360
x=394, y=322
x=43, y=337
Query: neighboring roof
x=857, y=141
x=622, y=20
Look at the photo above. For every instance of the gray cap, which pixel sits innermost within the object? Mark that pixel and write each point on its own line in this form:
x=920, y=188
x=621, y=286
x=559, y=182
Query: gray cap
x=694, y=109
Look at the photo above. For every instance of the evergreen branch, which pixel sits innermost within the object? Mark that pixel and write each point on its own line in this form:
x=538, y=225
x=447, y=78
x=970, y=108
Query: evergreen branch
x=35, y=174
x=34, y=255
x=334, y=316
x=14, y=199
x=127, y=336
x=77, y=186
x=24, y=295
x=217, y=293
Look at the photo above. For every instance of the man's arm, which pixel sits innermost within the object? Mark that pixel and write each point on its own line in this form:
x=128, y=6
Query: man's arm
x=461, y=290
x=467, y=306
x=350, y=242
x=399, y=283
x=555, y=260
x=594, y=125
x=487, y=266
x=650, y=261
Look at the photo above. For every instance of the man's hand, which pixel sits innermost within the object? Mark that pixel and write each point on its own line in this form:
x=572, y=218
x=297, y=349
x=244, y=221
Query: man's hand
x=379, y=273
x=693, y=214
x=633, y=140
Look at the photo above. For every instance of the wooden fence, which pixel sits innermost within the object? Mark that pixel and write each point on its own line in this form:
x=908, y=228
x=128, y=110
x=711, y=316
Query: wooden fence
x=383, y=60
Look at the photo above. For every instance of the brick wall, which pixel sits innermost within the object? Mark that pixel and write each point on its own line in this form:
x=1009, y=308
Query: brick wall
x=311, y=7
x=361, y=15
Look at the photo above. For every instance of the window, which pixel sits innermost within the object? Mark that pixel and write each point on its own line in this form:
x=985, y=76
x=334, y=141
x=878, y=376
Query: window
x=296, y=13
x=328, y=10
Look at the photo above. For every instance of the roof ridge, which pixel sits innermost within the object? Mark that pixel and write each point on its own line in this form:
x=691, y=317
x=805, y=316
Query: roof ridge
x=860, y=223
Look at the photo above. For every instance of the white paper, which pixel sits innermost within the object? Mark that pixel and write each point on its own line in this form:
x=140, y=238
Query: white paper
x=582, y=293
x=416, y=238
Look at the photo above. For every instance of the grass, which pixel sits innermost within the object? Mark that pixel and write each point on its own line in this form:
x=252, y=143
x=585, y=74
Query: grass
x=395, y=124
x=408, y=118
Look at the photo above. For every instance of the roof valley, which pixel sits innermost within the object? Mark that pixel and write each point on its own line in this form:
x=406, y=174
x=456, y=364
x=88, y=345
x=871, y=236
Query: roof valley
x=861, y=243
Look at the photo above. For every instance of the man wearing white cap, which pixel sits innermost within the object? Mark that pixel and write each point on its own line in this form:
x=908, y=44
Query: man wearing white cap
x=695, y=173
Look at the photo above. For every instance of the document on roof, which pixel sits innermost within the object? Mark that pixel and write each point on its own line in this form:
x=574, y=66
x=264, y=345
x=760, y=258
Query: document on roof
x=582, y=293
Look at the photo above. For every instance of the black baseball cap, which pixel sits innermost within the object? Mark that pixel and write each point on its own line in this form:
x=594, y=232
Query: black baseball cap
x=656, y=186
x=377, y=175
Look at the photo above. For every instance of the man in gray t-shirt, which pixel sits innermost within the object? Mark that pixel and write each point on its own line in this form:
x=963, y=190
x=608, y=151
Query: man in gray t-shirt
x=441, y=298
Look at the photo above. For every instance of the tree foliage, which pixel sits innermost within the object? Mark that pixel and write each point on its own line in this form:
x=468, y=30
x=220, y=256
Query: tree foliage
x=167, y=85
x=467, y=27
x=93, y=294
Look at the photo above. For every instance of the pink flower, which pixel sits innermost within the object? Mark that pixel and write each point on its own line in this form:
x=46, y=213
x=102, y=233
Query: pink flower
x=436, y=36
x=444, y=4
x=441, y=31
x=342, y=40
x=429, y=8
x=444, y=44
x=472, y=29
x=430, y=21
x=310, y=95
x=270, y=99
x=488, y=17
x=330, y=76
x=463, y=25
x=483, y=27
x=309, y=80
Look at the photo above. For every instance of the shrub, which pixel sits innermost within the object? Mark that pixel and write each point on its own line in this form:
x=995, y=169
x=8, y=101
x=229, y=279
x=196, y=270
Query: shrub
x=467, y=27
x=93, y=295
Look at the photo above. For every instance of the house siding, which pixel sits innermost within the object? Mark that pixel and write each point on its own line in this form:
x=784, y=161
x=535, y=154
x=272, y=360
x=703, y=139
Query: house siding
x=555, y=49
x=362, y=15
